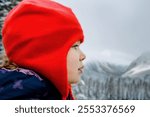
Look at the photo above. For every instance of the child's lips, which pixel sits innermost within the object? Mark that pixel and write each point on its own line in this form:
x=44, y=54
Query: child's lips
x=81, y=69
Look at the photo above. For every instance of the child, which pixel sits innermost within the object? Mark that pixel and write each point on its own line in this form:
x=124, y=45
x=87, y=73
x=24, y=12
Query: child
x=41, y=39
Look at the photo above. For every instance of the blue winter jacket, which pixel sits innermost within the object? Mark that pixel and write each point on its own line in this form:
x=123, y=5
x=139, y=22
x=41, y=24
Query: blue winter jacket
x=16, y=85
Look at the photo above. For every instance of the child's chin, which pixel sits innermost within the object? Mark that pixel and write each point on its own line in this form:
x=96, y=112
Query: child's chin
x=75, y=82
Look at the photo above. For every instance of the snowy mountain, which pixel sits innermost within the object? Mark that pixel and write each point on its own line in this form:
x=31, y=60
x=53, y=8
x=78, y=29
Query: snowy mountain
x=139, y=67
x=107, y=81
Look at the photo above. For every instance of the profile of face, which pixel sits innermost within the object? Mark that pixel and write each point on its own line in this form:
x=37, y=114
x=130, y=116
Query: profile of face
x=75, y=66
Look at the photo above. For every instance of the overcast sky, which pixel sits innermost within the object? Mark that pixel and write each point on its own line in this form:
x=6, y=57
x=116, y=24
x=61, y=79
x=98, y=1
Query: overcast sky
x=115, y=30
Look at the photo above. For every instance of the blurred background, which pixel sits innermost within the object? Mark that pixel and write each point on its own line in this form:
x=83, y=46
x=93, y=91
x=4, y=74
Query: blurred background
x=116, y=44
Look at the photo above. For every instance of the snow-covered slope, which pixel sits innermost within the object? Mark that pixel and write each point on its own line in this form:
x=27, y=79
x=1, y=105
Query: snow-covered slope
x=102, y=80
x=96, y=78
x=139, y=67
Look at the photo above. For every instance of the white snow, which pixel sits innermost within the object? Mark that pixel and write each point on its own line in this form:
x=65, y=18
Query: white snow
x=140, y=67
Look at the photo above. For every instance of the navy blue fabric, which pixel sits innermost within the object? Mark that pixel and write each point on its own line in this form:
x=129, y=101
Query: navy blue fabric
x=19, y=86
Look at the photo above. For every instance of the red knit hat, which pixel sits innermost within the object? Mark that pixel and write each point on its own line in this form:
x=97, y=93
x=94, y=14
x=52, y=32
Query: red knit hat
x=37, y=34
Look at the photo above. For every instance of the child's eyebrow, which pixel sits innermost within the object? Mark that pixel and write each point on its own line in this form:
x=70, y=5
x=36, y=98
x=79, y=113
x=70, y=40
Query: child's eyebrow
x=78, y=42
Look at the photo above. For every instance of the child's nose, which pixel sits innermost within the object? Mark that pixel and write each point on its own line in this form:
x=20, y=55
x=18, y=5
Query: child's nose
x=82, y=56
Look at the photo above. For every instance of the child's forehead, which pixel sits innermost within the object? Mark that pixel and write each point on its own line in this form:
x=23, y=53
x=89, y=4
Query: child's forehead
x=77, y=42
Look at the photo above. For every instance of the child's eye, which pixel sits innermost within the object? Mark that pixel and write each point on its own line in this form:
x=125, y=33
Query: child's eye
x=75, y=46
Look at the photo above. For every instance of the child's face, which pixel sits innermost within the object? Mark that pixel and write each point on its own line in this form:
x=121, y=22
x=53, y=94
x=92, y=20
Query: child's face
x=74, y=63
